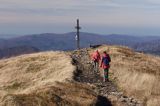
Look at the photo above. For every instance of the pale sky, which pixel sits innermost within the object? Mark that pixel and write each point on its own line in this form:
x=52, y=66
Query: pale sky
x=133, y=17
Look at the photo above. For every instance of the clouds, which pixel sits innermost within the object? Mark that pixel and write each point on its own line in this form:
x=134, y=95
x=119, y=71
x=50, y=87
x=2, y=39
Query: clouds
x=157, y=2
x=126, y=13
x=58, y=7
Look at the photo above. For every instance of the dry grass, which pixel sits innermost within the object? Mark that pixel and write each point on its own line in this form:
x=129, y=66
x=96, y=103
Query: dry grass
x=43, y=79
x=136, y=73
x=24, y=74
x=63, y=94
x=31, y=80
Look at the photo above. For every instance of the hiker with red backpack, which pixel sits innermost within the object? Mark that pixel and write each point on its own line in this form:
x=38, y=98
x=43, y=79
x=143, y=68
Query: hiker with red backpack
x=105, y=65
x=96, y=57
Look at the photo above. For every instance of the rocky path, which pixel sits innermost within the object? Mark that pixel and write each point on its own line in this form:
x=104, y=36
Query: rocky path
x=85, y=74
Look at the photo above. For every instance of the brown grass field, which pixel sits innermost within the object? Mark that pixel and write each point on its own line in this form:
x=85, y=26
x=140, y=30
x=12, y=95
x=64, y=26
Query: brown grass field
x=137, y=74
x=28, y=72
x=41, y=79
x=46, y=79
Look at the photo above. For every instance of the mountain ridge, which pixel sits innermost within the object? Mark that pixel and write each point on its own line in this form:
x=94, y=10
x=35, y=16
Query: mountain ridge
x=15, y=51
x=66, y=41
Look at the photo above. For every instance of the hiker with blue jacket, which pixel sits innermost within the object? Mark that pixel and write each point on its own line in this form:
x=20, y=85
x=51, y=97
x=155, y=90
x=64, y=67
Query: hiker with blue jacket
x=105, y=65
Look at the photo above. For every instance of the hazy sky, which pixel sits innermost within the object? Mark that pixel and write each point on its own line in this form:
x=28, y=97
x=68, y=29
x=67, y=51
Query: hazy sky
x=134, y=17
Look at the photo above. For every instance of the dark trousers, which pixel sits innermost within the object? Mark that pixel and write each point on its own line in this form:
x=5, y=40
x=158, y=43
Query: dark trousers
x=95, y=66
x=105, y=75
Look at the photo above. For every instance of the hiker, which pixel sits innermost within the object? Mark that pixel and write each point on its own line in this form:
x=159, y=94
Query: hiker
x=96, y=58
x=105, y=65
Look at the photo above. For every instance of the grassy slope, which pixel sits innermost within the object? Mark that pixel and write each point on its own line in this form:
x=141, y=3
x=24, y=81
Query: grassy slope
x=136, y=73
x=31, y=80
x=27, y=72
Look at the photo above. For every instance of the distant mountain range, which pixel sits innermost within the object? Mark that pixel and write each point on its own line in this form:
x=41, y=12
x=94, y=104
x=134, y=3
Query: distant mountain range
x=66, y=41
x=15, y=51
x=152, y=47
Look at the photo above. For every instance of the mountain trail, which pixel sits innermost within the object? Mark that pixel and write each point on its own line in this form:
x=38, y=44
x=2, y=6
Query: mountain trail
x=85, y=74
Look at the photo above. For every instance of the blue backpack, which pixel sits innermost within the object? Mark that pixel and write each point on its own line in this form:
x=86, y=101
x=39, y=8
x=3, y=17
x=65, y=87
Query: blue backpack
x=106, y=61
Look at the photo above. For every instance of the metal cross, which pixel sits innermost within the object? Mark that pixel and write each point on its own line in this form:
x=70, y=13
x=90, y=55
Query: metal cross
x=77, y=35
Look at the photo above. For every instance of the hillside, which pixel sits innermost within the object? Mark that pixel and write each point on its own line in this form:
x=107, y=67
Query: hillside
x=42, y=42
x=137, y=74
x=21, y=73
x=42, y=79
x=152, y=47
x=15, y=51
x=67, y=78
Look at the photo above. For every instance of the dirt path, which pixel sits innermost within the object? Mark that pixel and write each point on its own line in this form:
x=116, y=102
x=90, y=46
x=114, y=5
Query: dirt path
x=85, y=74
